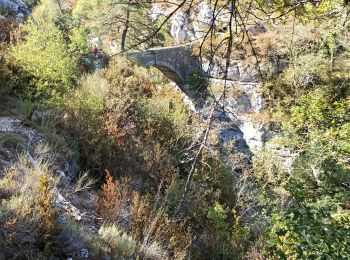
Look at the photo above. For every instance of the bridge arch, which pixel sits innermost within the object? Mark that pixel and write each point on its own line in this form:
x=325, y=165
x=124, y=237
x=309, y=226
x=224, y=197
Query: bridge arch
x=168, y=70
x=176, y=62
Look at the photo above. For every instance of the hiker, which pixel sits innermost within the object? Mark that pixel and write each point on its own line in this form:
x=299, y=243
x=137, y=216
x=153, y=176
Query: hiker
x=95, y=51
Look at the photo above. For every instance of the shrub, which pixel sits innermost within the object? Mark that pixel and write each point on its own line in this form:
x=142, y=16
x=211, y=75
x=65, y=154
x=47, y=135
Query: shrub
x=28, y=220
x=46, y=12
x=112, y=199
x=152, y=226
x=198, y=82
x=45, y=202
x=325, y=236
x=76, y=126
x=12, y=141
x=221, y=233
x=218, y=216
x=118, y=243
x=78, y=40
x=44, y=56
x=11, y=78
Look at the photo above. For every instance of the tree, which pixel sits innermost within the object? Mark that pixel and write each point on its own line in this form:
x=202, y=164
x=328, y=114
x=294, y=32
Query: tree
x=44, y=55
x=125, y=22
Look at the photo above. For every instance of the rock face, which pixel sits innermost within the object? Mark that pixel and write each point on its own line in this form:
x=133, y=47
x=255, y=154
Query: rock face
x=237, y=119
x=186, y=27
x=244, y=70
x=239, y=70
x=191, y=26
x=243, y=105
x=13, y=8
x=244, y=102
x=180, y=28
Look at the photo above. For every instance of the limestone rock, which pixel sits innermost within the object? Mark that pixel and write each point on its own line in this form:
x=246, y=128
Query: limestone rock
x=71, y=169
x=202, y=19
x=283, y=155
x=239, y=70
x=68, y=207
x=254, y=134
x=190, y=26
x=14, y=8
x=180, y=28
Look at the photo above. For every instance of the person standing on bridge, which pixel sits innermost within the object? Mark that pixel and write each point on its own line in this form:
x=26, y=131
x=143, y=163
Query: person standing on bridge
x=95, y=51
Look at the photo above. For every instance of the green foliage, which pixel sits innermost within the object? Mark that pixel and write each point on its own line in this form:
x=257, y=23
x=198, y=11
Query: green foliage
x=79, y=122
x=317, y=188
x=118, y=119
x=109, y=19
x=168, y=118
x=46, y=12
x=271, y=179
x=87, y=9
x=310, y=102
x=316, y=58
x=310, y=232
x=11, y=77
x=57, y=137
x=197, y=82
x=231, y=236
x=307, y=10
x=44, y=56
x=218, y=216
x=78, y=40
x=27, y=107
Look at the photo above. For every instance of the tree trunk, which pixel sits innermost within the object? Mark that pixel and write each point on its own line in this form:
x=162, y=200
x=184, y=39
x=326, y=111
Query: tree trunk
x=125, y=31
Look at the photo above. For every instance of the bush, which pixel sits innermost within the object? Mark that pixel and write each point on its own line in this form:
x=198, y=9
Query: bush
x=112, y=200
x=78, y=41
x=81, y=119
x=46, y=12
x=198, y=82
x=119, y=244
x=326, y=235
x=230, y=238
x=154, y=228
x=12, y=141
x=44, y=56
x=10, y=78
x=27, y=217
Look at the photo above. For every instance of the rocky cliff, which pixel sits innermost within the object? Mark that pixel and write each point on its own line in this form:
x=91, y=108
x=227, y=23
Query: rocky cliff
x=241, y=117
x=15, y=8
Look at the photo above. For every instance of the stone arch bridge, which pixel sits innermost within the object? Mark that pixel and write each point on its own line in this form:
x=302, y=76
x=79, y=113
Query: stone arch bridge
x=175, y=62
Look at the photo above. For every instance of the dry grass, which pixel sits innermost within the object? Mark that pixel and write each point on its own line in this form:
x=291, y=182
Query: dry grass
x=27, y=216
x=119, y=244
x=151, y=225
